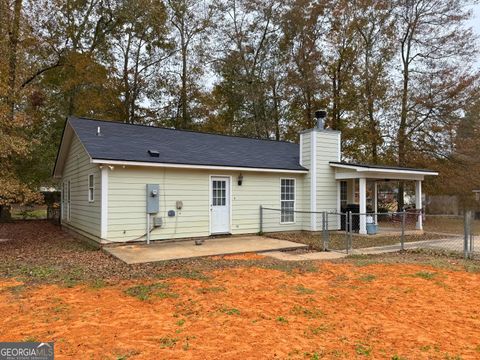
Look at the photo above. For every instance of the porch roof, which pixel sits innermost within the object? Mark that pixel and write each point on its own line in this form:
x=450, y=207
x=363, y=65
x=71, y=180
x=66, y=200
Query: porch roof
x=344, y=170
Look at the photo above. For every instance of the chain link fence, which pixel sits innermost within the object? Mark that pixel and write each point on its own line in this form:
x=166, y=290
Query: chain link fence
x=453, y=233
x=330, y=230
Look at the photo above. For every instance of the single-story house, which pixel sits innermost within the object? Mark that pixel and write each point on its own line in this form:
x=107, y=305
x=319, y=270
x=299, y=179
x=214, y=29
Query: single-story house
x=123, y=182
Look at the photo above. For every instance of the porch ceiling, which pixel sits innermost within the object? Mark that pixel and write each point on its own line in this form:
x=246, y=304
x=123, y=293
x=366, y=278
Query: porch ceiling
x=364, y=171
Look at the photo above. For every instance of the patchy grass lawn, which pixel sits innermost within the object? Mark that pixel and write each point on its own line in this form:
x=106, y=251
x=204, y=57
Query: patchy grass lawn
x=414, y=305
x=337, y=240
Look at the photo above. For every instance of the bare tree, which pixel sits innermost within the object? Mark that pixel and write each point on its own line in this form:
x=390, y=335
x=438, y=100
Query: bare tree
x=374, y=26
x=435, y=50
x=140, y=44
x=191, y=20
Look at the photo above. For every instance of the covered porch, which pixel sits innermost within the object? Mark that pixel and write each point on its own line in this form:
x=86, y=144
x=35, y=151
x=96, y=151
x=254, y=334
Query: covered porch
x=353, y=180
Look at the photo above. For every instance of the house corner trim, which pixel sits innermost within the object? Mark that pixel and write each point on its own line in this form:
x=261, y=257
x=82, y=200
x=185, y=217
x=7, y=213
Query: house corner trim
x=104, y=203
x=313, y=181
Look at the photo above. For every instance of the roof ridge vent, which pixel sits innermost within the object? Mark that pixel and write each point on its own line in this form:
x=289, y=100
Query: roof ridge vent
x=153, y=153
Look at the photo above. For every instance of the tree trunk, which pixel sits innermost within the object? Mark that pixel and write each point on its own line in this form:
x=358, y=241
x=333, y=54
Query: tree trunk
x=372, y=125
x=126, y=83
x=333, y=121
x=402, y=136
x=184, y=102
x=13, y=38
x=12, y=59
x=5, y=214
x=310, y=124
x=276, y=112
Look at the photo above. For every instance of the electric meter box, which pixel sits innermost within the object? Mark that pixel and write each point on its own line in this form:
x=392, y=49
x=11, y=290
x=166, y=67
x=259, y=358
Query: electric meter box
x=153, y=203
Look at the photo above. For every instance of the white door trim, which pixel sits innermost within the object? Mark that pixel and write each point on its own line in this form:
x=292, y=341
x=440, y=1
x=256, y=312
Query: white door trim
x=230, y=197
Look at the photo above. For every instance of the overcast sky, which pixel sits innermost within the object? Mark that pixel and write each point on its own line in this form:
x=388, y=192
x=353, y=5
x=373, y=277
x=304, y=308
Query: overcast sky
x=476, y=23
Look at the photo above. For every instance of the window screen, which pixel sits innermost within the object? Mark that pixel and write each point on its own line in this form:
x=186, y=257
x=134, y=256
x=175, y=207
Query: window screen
x=287, y=200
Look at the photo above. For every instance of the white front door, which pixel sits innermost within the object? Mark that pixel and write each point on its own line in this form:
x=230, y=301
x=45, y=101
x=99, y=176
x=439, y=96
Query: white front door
x=220, y=205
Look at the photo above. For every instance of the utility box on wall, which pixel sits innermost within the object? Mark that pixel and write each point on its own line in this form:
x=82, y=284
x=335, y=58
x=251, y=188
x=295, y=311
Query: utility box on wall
x=153, y=203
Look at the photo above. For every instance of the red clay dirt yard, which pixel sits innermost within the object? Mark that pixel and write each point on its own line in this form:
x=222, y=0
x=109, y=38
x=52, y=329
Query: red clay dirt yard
x=398, y=306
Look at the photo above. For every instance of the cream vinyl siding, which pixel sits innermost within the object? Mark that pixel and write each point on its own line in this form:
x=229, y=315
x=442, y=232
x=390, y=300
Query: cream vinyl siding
x=327, y=187
x=306, y=163
x=264, y=189
x=327, y=150
x=126, y=209
x=84, y=215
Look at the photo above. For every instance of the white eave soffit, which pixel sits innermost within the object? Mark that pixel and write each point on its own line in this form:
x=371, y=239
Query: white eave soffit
x=193, y=167
x=354, y=172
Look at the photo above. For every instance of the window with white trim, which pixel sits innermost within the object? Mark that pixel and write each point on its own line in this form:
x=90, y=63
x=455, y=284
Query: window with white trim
x=64, y=199
x=69, y=198
x=91, y=188
x=287, y=191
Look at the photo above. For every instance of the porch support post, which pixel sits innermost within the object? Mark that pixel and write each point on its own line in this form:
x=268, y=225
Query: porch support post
x=418, y=203
x=375, y=201
x=363, y=205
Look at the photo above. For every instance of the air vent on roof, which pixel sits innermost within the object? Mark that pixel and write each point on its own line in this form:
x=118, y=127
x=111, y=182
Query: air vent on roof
x=153, y=153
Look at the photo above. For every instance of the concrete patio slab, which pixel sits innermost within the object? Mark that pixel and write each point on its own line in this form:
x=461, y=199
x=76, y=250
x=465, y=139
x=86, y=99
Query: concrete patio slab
x=142, y=253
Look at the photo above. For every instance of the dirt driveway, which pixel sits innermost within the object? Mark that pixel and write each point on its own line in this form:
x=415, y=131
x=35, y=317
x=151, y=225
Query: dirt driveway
x=399, y=306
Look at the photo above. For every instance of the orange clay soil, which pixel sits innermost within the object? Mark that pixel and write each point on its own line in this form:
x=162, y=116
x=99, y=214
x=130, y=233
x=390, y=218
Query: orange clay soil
x=247, y=256
x=341, y=311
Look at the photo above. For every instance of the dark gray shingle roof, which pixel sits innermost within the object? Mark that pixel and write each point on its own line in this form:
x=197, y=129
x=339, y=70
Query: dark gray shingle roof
x=120, y=141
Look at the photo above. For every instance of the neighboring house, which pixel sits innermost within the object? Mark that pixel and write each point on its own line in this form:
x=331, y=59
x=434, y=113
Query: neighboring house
x=203, y=184
x=443, y=204
x=452, y=204
x=477, y=194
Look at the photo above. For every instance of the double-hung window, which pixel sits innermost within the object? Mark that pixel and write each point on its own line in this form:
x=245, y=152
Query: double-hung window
x=69, y=199
x=91, y=188
x=287, y=191
x=64, y=200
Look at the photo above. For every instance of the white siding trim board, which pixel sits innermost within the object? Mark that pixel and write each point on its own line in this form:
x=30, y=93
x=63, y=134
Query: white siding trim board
x=300, y=156
x=313, y=181
x=104, y=203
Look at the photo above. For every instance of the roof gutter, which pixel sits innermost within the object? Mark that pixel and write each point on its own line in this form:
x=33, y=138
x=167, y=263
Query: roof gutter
x=383, y=170
x=189, y=166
